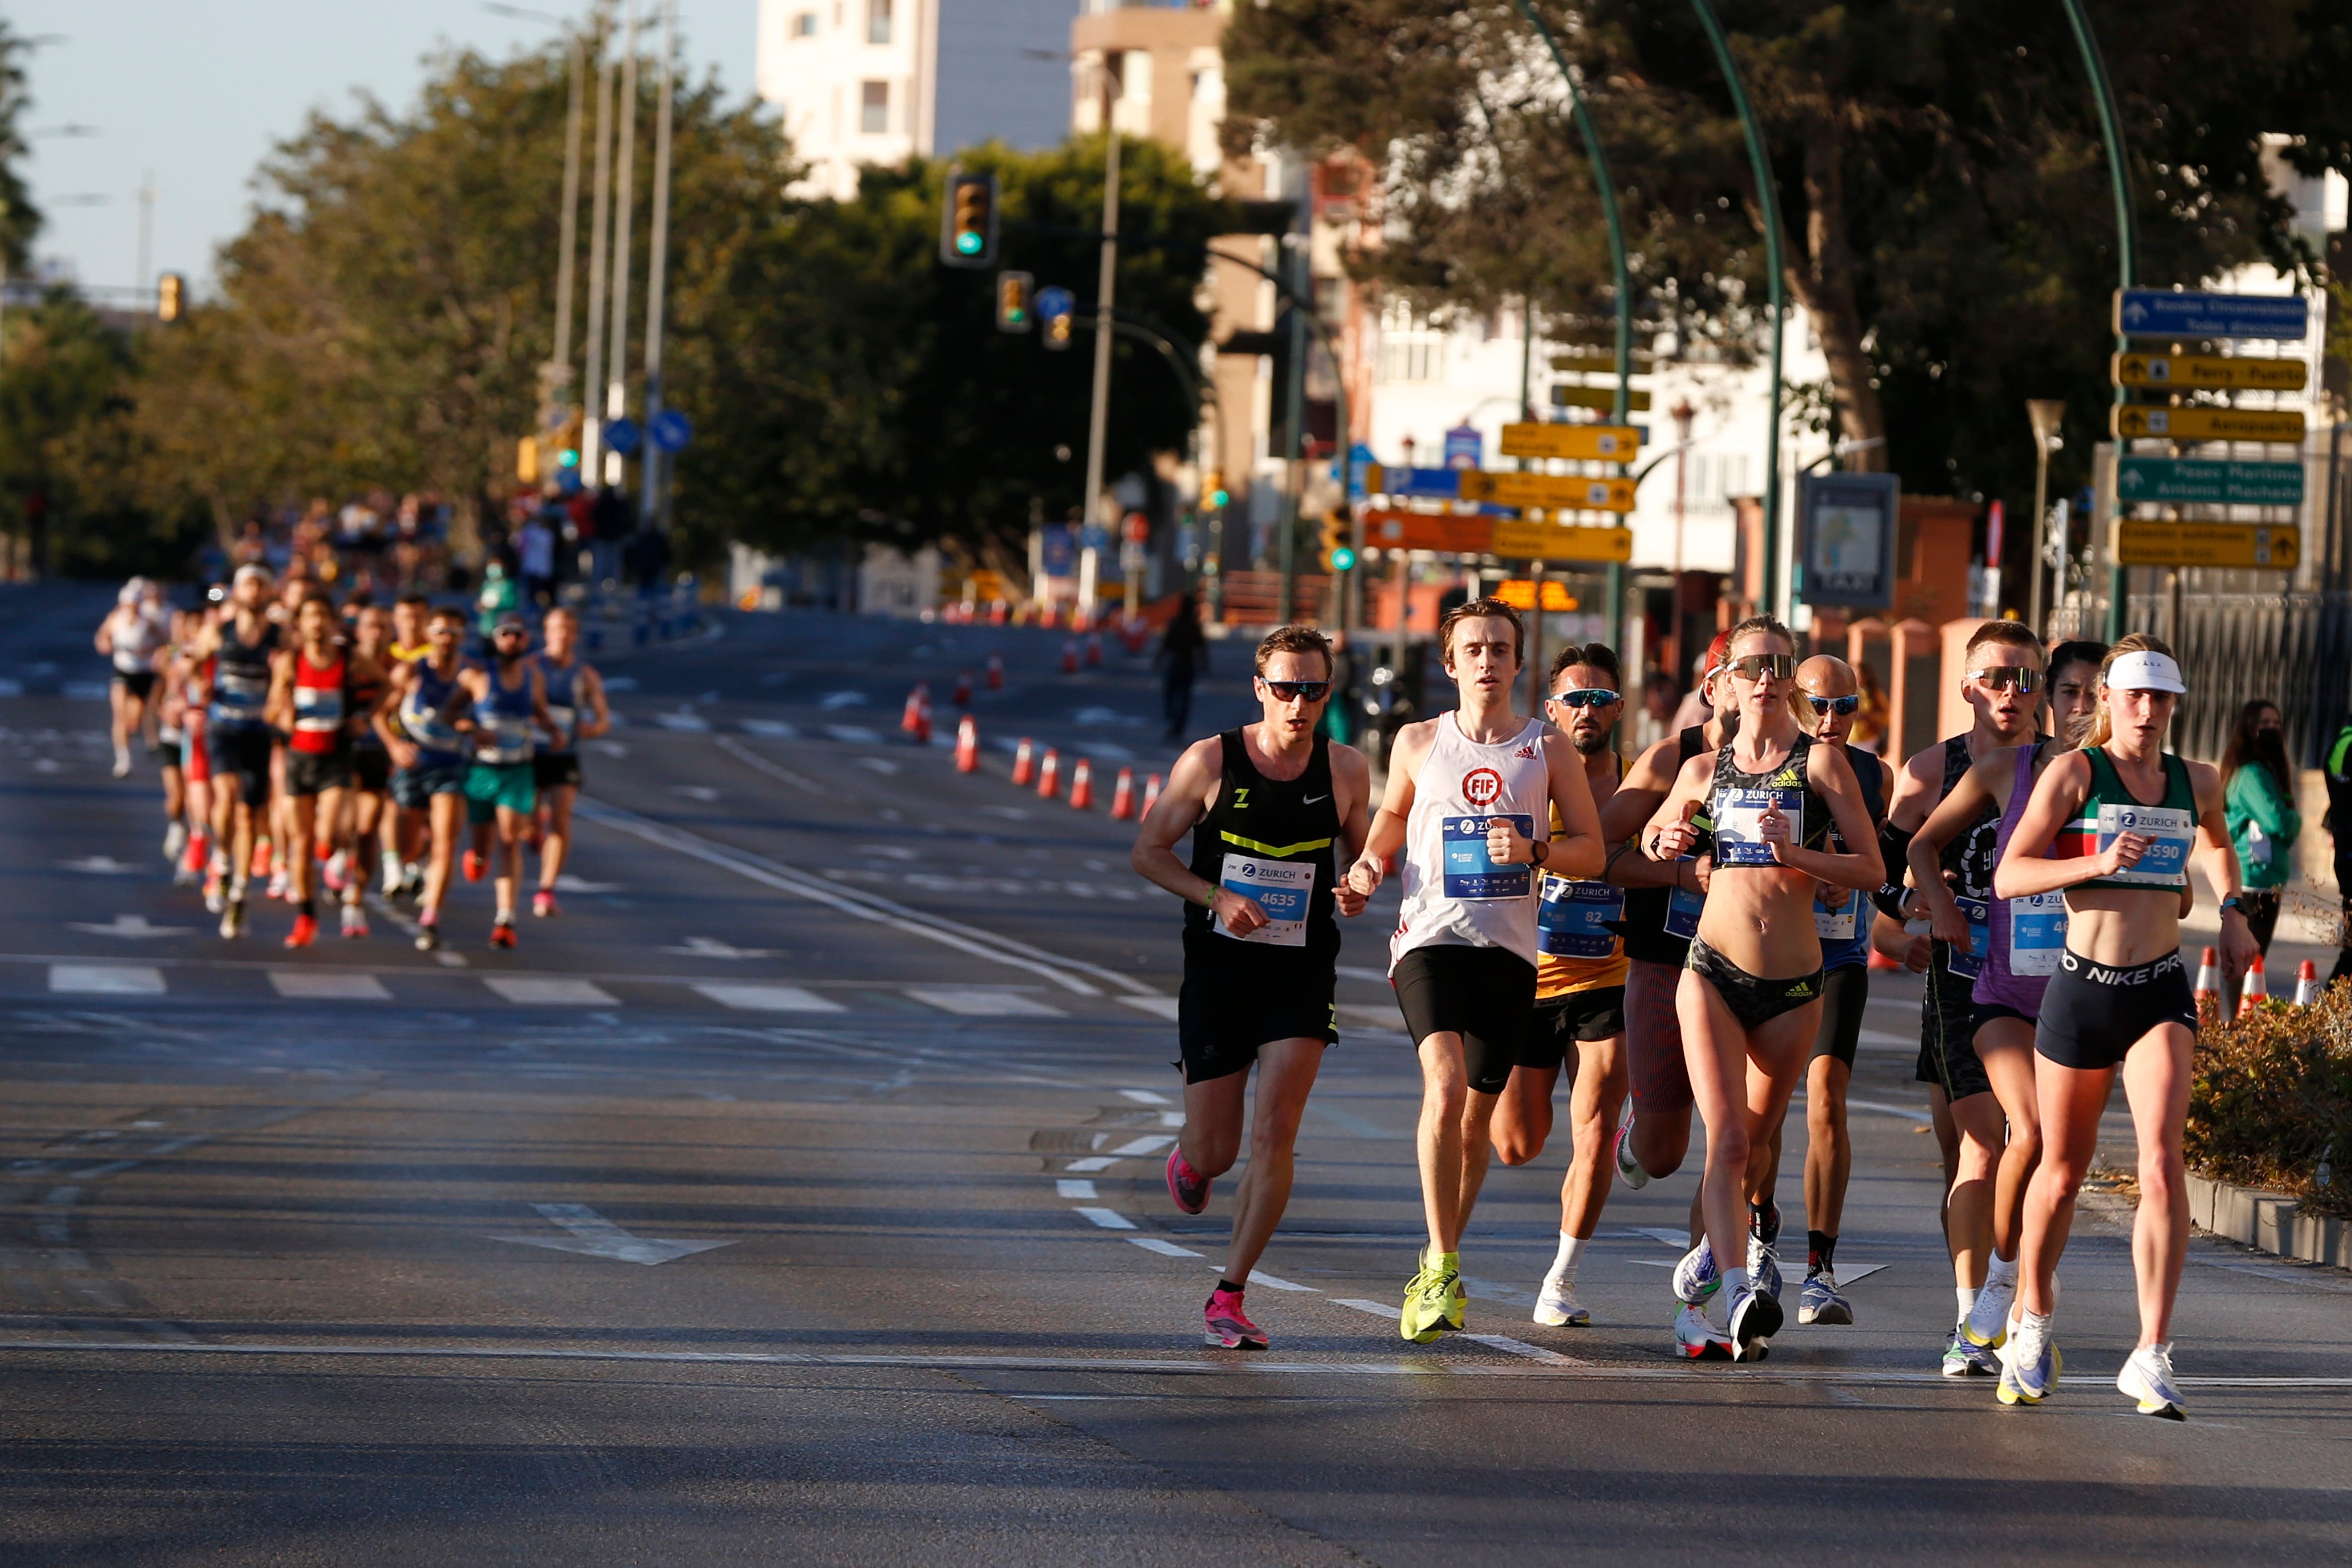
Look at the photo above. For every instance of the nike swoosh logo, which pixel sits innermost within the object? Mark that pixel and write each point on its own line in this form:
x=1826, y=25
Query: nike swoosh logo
x=1312, y=799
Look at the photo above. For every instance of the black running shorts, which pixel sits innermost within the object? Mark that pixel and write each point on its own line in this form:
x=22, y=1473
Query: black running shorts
x=1485, y=995
x=1845, y=991
x=1597, y=1013
x=2093, y=1014
x=370, y=769
x=550, y=769
x=1232, y=1003
x=314, y=772
x=139, y=683
x=1947, y=1032
x=241, y=752
x=1753, y=999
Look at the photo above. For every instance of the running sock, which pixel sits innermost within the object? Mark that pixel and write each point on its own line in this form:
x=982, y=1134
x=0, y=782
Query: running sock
x=309, y=907
x=1967, y=1298
x=1760, y=1223
x=1563, y=1263
x=2001, y=1270
x=1228, y=1287
x=1821, y=1252
x=1735, y=1280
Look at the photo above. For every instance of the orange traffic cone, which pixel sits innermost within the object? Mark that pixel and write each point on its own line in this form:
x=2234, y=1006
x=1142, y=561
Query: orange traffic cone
x=967, y=745
x=916, y=700
x=2208, y=996
x=996, y=672
x=1122, y=796
x=1049, y=776
x=1094, y=651
x=2257, y=989
x=963, y=697
x=1082, y=786
x=1070, y=656
x=1137, y=631
x=1025, y=762
x=1150, y=793
x=2306, y=983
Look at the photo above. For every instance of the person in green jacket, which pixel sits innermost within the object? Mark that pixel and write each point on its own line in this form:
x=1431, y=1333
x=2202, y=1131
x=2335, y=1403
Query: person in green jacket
x=2263, y=822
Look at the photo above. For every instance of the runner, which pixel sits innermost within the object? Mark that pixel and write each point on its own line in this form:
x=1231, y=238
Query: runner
x=1464, y=955
x=509, y=700
x=170, y=702
x=571, y=685
x=2002, y=684
x=1829, y=701
x=2126, y=819
x=238, y=651
x=134, y=632
x=313, y=700
x=1265, y=805
x=409, y=642
x=1751, y=995
x=1580, y=1019
x=410, y=830
x=2026, y=936
x=417, y=721
x=187, y=676
x=373, y=825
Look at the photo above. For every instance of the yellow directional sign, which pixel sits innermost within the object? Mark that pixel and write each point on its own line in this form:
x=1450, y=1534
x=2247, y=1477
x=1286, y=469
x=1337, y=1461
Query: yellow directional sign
x=1585, y=443
x=1549, y=492
x=2128, y=419
x=2211, y=372
x=2276, y=546
x=1566, y=396
x=1549, y=541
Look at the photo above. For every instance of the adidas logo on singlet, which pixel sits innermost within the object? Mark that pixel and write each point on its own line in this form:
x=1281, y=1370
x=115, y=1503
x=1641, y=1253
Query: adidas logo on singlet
x=1525, y=751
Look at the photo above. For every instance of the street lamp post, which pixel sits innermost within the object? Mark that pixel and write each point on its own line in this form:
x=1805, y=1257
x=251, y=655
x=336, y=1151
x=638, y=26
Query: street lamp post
x=653, y=474
x=624, y=149
x=591, y=433
x=2046, y=414
x=2103, y=94
x=1098, y=413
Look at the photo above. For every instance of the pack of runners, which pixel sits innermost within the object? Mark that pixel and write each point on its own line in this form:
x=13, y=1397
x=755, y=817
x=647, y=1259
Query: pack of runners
x=306, y=744
x=1694, y=931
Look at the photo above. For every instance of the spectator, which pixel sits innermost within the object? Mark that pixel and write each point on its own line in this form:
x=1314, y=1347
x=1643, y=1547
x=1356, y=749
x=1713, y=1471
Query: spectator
x=1184, y=655
x=535, y=555
x=2264, y=823
x=1870, y=721
x=497, y=597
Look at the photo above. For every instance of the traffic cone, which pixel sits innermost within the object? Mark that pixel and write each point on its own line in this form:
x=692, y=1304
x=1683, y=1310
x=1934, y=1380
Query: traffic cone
x=2257, y=989
x=2306, y=983
x=1082, y=786
x=996, y=672
x=1138, y=633
x=1150, y=793
x=963, y=697
x=998, y=610
x=2208, y=996
x=1070, y=656
x=1094, y=651
x=967, y=745
x=916, y=700
x=1049, y=776
x=1122, y=796
x=1024, y=763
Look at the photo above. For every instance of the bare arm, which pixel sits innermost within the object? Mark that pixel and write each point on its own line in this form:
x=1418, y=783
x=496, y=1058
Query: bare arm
x=1577, y=852
x=1832, y=779
x=1946, y=822
x=2218, y=857
x=1387, y=827
x=1669, y=833
x=278, y=708
x=1351, y=778
x=395, y=687
x=1192, y=789
x=2025, y=869
x=539, y=712
x=597, y=719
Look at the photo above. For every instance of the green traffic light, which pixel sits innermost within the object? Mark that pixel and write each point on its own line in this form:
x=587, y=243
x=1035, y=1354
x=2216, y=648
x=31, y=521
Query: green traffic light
x=1220, y=499
x=567, y=458
x=1343, y=559
x=968, y=243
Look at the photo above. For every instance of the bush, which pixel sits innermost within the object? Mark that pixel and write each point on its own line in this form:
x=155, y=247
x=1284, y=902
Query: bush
x=2272, y=1094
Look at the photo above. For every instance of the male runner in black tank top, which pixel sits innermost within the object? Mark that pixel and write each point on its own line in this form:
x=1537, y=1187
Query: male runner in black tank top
x=1968, y=1118
x=1273, y=810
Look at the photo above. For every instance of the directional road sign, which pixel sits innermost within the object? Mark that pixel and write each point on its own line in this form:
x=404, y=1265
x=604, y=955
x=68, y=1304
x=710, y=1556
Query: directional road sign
x=1465, y=446
x=2161, y=313
x=1420, y=484
x=1566, y=396
x=670, y=430
x=2189, y=481
x=1549, y=541
x=1386, y=529
x=2211, y=372
x=1549, y=492
x=1587, y=443
x=621, y=436
x=2277, y=546
x=2129, y=419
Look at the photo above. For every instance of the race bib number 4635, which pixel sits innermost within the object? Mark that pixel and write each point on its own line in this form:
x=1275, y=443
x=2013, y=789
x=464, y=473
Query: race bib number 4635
x=1281, y=888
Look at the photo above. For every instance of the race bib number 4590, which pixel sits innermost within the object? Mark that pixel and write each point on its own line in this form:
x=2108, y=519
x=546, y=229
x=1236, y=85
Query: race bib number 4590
x=2172, y=831
x=1281, y=888
x=1470, y=872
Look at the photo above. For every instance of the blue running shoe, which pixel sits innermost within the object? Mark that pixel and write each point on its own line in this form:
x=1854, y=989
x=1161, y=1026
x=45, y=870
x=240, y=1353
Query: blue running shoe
x=2147, y=1377
x=1965, y=1358
x=1696, y=1280
x=1819, y=1301
x=1754, y=1318
x=2030, y=1363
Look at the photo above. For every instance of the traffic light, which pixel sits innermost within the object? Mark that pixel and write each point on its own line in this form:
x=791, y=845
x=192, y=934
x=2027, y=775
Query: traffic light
x=1055, y=306
x=169, y=289
x=1338, y=555
x=1213, y=494
x=1015, y=302
x=968, y=221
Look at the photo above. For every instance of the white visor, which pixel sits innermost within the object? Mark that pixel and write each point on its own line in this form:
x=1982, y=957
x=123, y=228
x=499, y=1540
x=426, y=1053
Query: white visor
x=2145, y=671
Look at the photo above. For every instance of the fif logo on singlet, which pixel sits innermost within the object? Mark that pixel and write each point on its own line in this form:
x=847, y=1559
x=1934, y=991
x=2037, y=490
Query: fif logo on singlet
x=1482, y=786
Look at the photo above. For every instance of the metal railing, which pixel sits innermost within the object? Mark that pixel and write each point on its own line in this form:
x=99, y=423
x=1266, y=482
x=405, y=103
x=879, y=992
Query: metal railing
x=2293, y=649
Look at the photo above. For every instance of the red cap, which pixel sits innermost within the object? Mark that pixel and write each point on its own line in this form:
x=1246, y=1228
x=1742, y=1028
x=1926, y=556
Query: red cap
x=1716, y=652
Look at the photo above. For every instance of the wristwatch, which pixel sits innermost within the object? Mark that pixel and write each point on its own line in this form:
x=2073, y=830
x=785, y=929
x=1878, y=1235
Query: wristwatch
x=2231, y=903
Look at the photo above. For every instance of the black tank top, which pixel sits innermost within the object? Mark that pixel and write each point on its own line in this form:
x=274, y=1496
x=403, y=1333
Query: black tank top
x=1789, y=774
x=1645, y=908
x=1271, y=839
x=1971, y=852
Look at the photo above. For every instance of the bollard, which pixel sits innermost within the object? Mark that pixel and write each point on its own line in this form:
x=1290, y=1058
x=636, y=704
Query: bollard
x=996, y=672
x=1049, y=776
x=917, y=700
x=1094, y=651
x=2306, y=983
x=2208, y=994
x=963, y=697
x=2256, y=990
x=1070, y=656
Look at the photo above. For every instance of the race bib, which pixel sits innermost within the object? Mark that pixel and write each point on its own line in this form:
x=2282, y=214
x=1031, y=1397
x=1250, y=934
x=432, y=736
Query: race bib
x=1968, y=963
x=2173, y=830
x=1281, y=888
x=1683, y=907
x=2037, y=933
x=1837, y=925
x=1570, y=920
x=1738, y=840
x=1470, y=872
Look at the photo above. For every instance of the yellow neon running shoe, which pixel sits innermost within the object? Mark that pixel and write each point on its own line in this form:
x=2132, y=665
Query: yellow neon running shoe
x=1428, y=1305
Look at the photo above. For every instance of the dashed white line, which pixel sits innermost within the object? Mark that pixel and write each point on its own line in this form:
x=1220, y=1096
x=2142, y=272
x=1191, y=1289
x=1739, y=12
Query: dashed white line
x=1143, y=1146
x=1109, y=1219
x=1158, y=1006
x=1510, y=1346
x=1165, y=1248
x=328, y=985
x=765, y=998
x=1145, y=1096
x=107, y=979
x=980, y=1003
x=1068, y=1188
x=1091, y=1162
x=1377, y=1308
x=537, y=993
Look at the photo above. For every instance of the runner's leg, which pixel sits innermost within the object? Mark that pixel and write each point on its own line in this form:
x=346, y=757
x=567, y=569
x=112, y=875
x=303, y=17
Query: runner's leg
x=1829, y=1152
x=1286, y=1075
x=557, y=802
x=1445, y=1097
x=2156, y=1082
x=445, y=817
x=507, y=869
x=1596, y=1100
x=1522, y=1120
x=1968, y=1210
x=2006, y=1047
x=2071, y=1100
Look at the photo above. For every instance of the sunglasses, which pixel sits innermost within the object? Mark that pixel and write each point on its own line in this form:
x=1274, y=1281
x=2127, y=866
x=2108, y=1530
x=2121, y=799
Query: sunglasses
x=510, y=632
x=1833, y=704
x=2016, y=676
x=1292, y=691
x=1594, y=697
x=1757, y=666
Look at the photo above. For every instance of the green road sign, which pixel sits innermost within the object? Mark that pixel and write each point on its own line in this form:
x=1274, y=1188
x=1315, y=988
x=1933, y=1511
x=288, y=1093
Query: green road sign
x=2191, y=481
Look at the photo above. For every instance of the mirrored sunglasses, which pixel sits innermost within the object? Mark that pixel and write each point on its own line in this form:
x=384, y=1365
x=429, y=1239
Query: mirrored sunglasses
x=1833, y=704
x=2004, y=676
x=1757, y=666
x=1291, y=691
x=1589, y=697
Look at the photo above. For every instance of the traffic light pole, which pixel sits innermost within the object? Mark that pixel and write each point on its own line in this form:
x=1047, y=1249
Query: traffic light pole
x=1293, y=412
x=2127, y=244
x=1098, y=417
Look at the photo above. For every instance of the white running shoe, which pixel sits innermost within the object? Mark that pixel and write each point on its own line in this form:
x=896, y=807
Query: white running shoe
x=354, y=921
x=1987, y=1323
x=1696, y=1278
x=2030, y=1363
x=1819, y=1301
x=175, y=841
x=1557, y=1306
x=1628, y=1169
x=278, y=883
x=1695, y=1339
x=2147, y=1377
x=121, y=762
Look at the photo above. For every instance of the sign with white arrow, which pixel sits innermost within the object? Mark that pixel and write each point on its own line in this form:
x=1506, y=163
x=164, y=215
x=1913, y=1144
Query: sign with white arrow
x=592, y=1234
x=2161, y=313
x=132, y=926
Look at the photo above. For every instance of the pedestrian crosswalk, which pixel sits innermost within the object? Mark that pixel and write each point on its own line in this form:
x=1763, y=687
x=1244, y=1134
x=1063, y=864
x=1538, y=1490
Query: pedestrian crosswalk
x=235, y=983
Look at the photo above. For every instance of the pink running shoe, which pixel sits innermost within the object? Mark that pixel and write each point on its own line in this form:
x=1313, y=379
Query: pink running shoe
x=1229, y=1327
x=1185, y=1185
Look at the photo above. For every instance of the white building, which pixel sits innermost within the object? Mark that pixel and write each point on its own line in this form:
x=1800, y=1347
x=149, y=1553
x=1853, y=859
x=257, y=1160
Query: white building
x=873, y=81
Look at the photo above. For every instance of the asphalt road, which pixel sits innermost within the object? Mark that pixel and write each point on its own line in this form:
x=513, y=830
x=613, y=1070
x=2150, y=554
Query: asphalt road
x=794, y=1197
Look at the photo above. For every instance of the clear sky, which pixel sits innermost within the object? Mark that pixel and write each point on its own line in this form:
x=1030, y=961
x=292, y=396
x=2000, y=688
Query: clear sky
x=198, y=93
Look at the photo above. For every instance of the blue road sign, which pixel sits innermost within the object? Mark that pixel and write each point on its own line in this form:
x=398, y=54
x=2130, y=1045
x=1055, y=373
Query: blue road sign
x=670, y=430
x=1058, y=551
x=1055, y=300
x=1359, y=459
x=621, y=436
x=2161, y=313
x=2192, y=480
x=1423, y=484
x=1464, y=447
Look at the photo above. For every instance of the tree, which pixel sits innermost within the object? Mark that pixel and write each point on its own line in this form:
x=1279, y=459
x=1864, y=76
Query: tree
x=20, y=220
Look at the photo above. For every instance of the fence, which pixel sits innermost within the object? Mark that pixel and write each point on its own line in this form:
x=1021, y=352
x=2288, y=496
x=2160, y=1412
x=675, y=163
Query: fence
x=2294, y=649
x=1251, y=597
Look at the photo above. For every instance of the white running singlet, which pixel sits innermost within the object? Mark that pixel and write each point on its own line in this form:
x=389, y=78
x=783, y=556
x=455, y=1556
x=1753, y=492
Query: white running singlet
x=1452, y=892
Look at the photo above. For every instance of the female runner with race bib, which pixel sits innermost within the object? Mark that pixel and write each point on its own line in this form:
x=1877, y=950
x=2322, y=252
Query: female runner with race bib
x=2126, y=819
x=1751, y=992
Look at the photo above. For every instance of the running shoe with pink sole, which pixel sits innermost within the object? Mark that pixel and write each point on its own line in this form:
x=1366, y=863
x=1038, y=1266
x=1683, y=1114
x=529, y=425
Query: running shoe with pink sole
x=1228, y=1326
x=1185, y=1185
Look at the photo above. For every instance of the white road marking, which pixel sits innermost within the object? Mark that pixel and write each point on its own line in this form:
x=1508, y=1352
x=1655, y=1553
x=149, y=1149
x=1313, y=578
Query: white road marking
x=882, y=766
x=983, y=1003
x=1068, y=1188
x=328, y=985
x=1165, y=1248
x=1864, y=1272
x=835, y=701
x=1907, y=1113
x=568, y=883
x=620, y=683
x=1259, y=1277
x=751, y=759
x=85, y=691
x=132, y=927
x=592, y=1235
x=1143, y=1146
x=1881, y=1037
x=1510, y=1346
x=11, y=689
x=771, y=729
x=691, y=723
x=107, y=979
x=1158, y=1006
x=532, y=992
x=1091, y=1162
x=1372, y=976
x=711, y=947
x=98, y=865
x=695, y=792
x=766, y=998
x=399, y=918
x=852, y=734
x=604, y=748
x=1144, y=1096
x=1676, y=1239
x=1377, y=1308
x=1171, y=1119
x=1109, y=1219
x=1010, y=813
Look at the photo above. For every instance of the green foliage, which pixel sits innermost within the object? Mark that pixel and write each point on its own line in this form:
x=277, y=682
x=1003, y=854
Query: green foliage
x=20, y=220
x=2272, y=1094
